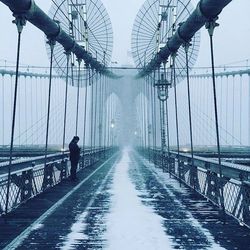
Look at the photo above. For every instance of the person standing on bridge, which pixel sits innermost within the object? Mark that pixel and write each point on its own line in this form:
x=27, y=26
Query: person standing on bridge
x=74, y=157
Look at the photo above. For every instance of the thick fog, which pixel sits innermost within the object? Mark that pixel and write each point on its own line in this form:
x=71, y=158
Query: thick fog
x=231, y=38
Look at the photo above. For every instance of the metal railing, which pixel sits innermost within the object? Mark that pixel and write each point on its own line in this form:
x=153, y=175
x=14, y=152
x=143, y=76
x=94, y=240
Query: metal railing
x=32, y=177
x=204, y=177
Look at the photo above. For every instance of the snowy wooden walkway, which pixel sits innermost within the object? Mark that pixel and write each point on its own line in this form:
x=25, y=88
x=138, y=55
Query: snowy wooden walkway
x=124, y=204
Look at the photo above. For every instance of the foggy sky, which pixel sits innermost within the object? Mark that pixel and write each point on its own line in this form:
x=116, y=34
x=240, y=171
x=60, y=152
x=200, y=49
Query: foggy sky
x=232, y=37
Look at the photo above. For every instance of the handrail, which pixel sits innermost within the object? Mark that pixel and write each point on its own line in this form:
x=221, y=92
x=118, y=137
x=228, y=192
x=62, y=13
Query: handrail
x=29, y=181
x=229, y=170
x=33, y=161
x=203, y=176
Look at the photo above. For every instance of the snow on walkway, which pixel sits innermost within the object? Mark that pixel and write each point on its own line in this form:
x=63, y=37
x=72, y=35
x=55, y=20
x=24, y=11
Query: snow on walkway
x=130, y=224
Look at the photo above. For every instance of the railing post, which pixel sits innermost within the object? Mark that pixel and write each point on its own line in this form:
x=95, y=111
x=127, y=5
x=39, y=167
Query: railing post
x=213, y=187
x=48, y=176
x=246, y=202
x=64, y=169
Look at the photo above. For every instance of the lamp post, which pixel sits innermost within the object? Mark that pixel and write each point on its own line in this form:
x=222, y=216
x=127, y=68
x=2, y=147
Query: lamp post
x=162, y=92
x=162, y=85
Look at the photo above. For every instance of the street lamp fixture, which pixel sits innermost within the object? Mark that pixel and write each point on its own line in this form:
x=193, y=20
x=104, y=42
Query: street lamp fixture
x=162, y=88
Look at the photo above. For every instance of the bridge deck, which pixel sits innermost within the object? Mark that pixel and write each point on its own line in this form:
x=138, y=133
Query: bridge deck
x=125, y=203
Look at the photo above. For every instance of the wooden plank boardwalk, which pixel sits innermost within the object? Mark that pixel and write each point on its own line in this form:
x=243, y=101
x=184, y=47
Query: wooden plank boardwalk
x=80, y=215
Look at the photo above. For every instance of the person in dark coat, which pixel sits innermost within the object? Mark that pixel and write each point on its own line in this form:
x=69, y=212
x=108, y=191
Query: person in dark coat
x=74, y=156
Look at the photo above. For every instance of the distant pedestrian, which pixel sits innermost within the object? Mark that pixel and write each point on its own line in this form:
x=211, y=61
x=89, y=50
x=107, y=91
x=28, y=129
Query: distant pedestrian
x=74, y=157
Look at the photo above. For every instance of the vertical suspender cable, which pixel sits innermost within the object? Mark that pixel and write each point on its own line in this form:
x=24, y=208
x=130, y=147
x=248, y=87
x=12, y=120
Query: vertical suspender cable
x=227, y=108
x=167, y=125
x=103, y=111
x=91, y=113
x=249, y=109
x=104, y=106
x=210, y=26
x=105, y=116
x=37, y=111
x=152, y=111
x=241, y=99
x=25, y=107
x=51, y=43
x=207, y=95
x=155, y=124
x=95, y=110
x=99, y=111
x=140, y=118
x=161, y=116
x=113, y=129
x=112, y=120
x=176, y=113
x=221, y=99
x=113, y=117
x=85, y=111
x=144, y=112
x=100, y=117
x=148, y=116
x=108, y=119
x=3, y=108
x=233, y=110
x=193, y=169
x=41, y=106
x=200, y=98
x=19, y=115
x=78, y=93
x=142, y=115
x=11, y=94
x=65, y=99
x=31, y=109
x=20, y=22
